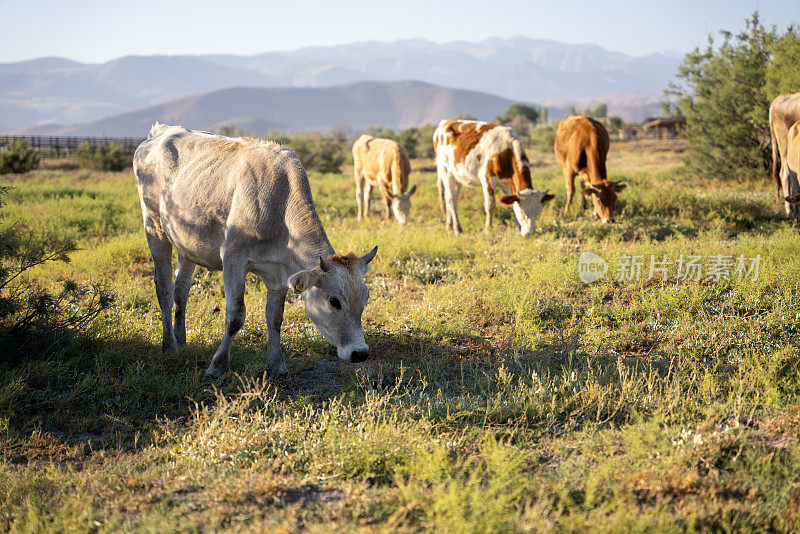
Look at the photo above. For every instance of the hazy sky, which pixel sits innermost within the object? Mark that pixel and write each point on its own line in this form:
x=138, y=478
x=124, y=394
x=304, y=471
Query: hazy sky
x=98, y=30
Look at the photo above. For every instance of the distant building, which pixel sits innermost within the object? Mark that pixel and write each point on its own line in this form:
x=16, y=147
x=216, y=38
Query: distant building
x=663, y=127
x=626, y=134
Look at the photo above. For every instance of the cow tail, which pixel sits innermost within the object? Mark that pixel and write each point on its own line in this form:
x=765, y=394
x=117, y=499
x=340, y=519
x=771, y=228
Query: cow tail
x=775, y=176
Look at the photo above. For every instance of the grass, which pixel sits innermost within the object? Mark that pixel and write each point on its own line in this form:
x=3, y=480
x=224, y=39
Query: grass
x=504, y=394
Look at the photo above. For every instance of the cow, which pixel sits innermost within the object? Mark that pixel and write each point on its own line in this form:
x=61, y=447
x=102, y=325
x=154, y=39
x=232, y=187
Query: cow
x=244, y=206
x=384, y=164
x=482, y=154
x=581, y=146
x=783, y=113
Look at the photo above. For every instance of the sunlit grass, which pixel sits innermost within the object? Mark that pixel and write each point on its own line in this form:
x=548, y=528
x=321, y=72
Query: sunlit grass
x=504, y=394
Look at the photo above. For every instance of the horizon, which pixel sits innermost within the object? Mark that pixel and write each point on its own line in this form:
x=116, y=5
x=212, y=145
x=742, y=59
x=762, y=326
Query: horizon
x=205, y=28
x=668, y=53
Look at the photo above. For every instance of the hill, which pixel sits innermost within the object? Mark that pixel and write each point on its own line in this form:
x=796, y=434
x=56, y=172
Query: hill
x=56, y=90
x=358, y=105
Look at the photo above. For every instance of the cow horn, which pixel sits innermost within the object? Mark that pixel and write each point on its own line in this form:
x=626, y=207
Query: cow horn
x=323, y=265
x=366, y=258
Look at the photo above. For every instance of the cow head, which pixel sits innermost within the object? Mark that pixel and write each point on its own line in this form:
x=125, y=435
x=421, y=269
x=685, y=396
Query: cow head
x=335, y=295
x=527, y=205
x=604, y=196
x=401, y=204
x=793, y=199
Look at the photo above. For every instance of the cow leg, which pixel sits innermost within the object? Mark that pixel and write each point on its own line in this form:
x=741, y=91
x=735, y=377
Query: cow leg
x=234, y=273
x=583, y=197
x=367, y=197
x=273, y=313
x=451, y=189
x=387, y=202
x=161, y=250
x=569, y=181
x=360, y=197
x=183, y=281
x=790, y=187
x=488, y=204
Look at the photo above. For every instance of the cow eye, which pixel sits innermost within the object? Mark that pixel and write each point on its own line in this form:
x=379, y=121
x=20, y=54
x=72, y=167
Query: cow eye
x=335, y=303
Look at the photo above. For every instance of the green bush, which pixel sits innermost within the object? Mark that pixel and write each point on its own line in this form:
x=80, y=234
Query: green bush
x=18, y=158
x=111, y=157
x=725, y=95
x=34, y=319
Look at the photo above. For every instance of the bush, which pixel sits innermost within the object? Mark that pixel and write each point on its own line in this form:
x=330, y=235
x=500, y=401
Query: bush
x=323, y=153
x=111, y=157
x=18, y=158
x=725, y=97
x=33, y=319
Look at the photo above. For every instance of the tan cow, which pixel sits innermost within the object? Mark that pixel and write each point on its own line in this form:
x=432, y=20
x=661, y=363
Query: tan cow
x=581, y=146
x=382, y=163
x=783, y=113
x=481, y=154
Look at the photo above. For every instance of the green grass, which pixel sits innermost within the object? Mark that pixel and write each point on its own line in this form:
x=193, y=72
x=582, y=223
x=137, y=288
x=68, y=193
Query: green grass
x=504, y=394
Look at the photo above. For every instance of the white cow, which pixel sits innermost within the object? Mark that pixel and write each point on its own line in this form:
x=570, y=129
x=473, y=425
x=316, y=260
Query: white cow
x=482, y=154
x=244, y=205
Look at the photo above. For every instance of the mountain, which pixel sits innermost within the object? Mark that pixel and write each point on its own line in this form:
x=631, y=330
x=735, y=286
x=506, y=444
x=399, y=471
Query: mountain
x=357, y=105
x=58, y=90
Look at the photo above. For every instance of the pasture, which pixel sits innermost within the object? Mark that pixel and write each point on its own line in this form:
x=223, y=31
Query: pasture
x=503, y=394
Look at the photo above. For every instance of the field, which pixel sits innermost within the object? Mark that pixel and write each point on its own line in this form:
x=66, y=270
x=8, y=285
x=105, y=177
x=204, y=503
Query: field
x=503, y=393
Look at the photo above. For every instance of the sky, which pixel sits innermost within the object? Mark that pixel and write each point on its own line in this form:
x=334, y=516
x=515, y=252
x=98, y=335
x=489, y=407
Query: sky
x=100, y=30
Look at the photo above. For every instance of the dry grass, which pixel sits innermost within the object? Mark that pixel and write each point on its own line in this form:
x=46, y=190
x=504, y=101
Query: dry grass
x=504, y=395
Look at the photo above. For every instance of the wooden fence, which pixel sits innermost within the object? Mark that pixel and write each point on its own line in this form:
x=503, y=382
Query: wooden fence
x=58, y=146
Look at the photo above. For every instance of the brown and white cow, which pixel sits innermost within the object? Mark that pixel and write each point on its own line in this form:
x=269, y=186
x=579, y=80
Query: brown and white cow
x=384, y=164
x=581, y=147
x=481, y=154
x=783, y=113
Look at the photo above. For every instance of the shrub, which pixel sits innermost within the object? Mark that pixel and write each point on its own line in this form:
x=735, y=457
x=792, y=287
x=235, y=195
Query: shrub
x=30, y=315
x=18, y=158
x=111, y=157
x=725, y=96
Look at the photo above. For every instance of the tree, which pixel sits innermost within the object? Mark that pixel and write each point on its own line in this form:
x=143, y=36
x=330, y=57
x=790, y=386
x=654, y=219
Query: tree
x=518, y=112
x=17, y=158
x=725, y=93
x=783, y=72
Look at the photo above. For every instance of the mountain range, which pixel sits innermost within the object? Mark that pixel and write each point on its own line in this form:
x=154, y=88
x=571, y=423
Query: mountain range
x=58, y=91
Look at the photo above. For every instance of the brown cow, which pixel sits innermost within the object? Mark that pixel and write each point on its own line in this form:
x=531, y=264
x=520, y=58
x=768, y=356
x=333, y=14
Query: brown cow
x=581, y=147
x=783, y=113
x=382, y=163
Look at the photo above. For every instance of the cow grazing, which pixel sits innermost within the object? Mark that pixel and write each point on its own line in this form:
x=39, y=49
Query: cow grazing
x=384, y=164
x=481, y=154
x=783, y=113
x=244, y=206
x=581, y=146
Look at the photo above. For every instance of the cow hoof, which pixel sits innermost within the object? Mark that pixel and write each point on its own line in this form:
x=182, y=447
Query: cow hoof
x=279, y=369
x=212, y=374
x=170, y=346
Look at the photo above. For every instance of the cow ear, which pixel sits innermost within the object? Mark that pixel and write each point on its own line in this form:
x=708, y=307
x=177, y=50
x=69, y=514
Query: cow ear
x=589, y=190
x=412, y=190
x=793, y=199
x=547, y=197
x=619, y=186
x=303, y=280
x=508, y=200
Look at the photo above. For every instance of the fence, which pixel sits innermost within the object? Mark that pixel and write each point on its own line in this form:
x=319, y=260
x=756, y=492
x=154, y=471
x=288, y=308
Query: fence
x=57, y=146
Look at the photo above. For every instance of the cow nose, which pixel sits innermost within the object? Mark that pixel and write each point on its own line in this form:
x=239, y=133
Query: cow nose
x=359, y=355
